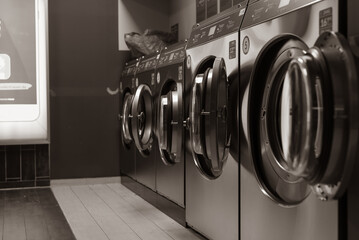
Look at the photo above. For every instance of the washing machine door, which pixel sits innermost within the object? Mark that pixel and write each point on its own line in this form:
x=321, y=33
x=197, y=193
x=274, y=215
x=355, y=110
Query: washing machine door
x=170, y=129
x=126, y=119
x=142, y=119
x=303, y=118
x=209, y=134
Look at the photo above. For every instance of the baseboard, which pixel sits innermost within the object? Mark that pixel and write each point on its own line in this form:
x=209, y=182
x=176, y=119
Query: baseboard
x=165, y=205
x=84, y=181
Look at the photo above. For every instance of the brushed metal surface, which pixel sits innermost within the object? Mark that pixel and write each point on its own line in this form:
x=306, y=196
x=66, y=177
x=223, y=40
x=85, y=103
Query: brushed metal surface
x=146, y=165
x=170, y=179
x=260, y=217
x=212, y=205
x=127, y=152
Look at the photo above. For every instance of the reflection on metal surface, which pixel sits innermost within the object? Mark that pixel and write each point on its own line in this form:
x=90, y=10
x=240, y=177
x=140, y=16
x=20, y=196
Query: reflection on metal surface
x=170, y=123
x=214, y=199
x=258, y=209
x=209, y=134
x=296, y=119
x=195, y=114
x=300, y=104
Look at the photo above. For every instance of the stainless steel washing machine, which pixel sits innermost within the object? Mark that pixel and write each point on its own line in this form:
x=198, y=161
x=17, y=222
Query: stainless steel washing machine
x=300, y=119
x=170, y=80
x=143, y=121
x=211, y=89
x=127, y=146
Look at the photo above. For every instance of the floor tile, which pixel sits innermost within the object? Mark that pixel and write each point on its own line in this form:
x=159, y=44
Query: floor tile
x=111, y=211
x=82, y=223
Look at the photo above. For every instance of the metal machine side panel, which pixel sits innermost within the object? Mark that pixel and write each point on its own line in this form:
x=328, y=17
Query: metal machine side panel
x=170, y=181
x=304, y=23
x=174, y=72
x=352, y=208
x=212, y=205
x=261, y=218
x=146, y=166
x=218, y=48
x=127, y=154
x=128, y=161
x=307, y=30
x=146, y=169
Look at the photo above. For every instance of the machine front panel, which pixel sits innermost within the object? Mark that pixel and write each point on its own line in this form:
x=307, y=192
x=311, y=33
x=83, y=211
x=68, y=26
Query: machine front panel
x=262, y=218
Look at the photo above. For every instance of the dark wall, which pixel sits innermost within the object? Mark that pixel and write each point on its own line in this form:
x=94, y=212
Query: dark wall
x=84, y=61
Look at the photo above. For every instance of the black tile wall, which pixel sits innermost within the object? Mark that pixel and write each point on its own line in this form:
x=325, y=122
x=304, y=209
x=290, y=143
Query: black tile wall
x=24, y=166
x=28, y=164
x=42, y=161
x=2, y=165
x=13, y=162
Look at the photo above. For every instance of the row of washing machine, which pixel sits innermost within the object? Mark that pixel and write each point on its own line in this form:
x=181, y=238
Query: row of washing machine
x=252, y=121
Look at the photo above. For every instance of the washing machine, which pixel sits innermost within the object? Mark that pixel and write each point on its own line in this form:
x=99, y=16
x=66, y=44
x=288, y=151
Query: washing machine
x=127, y=145
x=300, y=119
x=170, y=80
x=143, y=121
x=211, y=90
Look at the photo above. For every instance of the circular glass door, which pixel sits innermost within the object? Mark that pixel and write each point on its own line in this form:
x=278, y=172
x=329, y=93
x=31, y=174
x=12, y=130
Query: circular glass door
x=126, y=116
x=301, y=118
x=170, y=122
x=142, y=119
x=209, y=133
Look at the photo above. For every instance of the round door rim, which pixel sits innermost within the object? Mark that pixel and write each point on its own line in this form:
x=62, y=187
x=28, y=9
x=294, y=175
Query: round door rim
x=144, y=142
x=342, y=127
x=278, y=47
x=125, y=124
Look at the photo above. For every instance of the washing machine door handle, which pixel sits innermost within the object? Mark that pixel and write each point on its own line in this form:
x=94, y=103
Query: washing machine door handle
x=142, y=118
x=163, y=122
x=196, y=114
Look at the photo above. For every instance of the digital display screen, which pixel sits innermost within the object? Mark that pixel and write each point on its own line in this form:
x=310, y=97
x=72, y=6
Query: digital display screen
x=18, y=52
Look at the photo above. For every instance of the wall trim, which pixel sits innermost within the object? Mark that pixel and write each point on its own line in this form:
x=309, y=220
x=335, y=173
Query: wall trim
x=84, y=181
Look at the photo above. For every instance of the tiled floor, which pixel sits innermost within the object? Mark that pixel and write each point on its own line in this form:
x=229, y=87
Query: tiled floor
x=111, y=211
